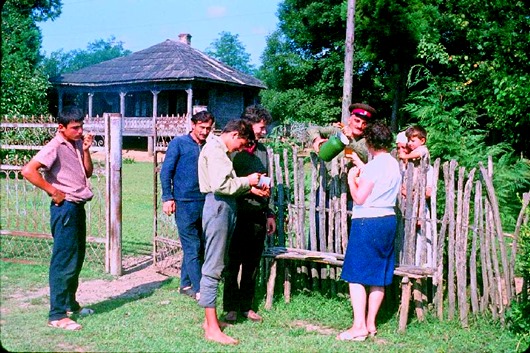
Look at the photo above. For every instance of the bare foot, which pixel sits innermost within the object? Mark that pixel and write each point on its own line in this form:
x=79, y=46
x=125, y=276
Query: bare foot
x=219, y=337
x=222, y=325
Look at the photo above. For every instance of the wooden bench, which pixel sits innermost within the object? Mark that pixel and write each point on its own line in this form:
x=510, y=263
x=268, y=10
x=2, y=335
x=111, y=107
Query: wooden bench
x=411, y=283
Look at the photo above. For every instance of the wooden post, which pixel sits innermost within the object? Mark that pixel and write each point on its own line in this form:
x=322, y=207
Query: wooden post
x=450, y=204
x=348, y=61
x=418, y=298
x=473, y=286
x=114, y=200
x=405, y=303
x=498, y=228
x=270, y=285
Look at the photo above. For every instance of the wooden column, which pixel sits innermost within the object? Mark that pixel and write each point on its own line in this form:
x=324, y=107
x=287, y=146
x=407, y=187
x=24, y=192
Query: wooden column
x=189, y=103
x=90, y=98
x=122, y=103
x=60, y=94
x=150, y=139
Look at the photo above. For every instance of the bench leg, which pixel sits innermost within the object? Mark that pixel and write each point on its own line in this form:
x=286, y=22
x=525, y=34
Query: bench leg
x=419, y=299
x=405, y=302
x=287, y=284
x=270, y=285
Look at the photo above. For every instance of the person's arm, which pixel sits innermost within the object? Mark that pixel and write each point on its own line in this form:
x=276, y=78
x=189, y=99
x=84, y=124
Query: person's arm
x=360, y=188
x=87, y=158
x=412, y=155
x=32, y=174
x=319, y=134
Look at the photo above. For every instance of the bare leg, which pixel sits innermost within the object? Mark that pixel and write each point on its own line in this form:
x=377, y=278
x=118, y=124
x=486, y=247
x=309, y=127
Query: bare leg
x=375, y=298
x=212, y=330
x=358, y=330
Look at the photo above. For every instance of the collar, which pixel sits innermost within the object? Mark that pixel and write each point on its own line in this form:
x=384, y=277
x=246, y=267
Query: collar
x=252, y=148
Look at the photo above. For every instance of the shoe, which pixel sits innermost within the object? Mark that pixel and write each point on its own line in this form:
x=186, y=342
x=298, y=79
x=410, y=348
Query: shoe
x=230, y=317
x=188, y=291
x=65, y=324
x=252, y=316
x=347, y=336
x=372, y=334
x=81, y=312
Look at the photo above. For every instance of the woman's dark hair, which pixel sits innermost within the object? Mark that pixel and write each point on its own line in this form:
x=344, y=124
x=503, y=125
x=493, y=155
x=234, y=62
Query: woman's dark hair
x=243, y=128
x=378, y=136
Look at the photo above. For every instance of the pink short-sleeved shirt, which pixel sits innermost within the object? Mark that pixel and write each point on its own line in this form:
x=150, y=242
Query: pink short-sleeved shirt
x=64, y=169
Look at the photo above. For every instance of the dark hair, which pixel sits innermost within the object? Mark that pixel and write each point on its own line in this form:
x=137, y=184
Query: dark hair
x=243, y=128
x=202, y=117
x=256, y=113
x=372, y=113
x=416, y=130
x=378, y=136
x=70, y=114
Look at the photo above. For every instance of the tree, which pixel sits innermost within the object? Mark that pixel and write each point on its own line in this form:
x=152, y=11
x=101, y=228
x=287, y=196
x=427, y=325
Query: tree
x=98, y=51
x=229, y=50
x=23, y=83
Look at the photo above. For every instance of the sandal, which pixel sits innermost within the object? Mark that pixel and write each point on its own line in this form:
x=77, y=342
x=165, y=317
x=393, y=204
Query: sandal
x=65, y=324
x=347, y=336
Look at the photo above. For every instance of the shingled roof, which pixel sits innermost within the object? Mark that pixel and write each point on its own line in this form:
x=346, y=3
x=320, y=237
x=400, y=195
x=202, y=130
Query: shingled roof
x=168, y=61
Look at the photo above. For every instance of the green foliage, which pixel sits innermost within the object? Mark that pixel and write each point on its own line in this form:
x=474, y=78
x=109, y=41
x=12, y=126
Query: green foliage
x=229, y=50
x=23, y=84
x=98, y=51
x=297, y=105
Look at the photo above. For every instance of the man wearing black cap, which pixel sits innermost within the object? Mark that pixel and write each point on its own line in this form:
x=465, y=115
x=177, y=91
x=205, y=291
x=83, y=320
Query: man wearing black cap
x=360, y=114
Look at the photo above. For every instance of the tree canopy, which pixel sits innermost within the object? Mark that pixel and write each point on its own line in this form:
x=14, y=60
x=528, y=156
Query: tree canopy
x=23, y=84
x=60, y=62
x=229, y=50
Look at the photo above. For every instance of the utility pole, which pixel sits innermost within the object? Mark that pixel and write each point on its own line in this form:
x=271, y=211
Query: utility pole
x=348, y=62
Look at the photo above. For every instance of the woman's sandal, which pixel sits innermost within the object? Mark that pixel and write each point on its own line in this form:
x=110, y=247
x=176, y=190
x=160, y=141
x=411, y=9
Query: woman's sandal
x=347, y=336
x=65, y=324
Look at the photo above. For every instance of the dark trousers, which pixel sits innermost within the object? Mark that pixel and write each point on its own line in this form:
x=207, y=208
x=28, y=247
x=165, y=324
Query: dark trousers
x=189, y=224
x=68, y=226
x=246, y=248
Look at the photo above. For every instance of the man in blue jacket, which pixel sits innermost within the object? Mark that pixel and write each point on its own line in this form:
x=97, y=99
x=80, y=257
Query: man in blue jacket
x=181, y=195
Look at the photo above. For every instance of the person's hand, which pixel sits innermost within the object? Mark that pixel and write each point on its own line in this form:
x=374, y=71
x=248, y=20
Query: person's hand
x=271, y=225
x=58, y=197
x=265, y=192
x=356, y=160
x=169, y=207
x=317, y=143
x=353, y=174
x=346, y=130
x=87, y=141
x=253, y=179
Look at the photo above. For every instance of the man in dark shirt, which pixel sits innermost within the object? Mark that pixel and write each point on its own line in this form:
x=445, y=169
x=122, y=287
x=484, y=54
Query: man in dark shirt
x=181, y=195
x=254, y=221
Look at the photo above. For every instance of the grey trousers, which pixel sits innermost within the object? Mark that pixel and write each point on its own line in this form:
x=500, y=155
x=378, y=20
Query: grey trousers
x=218, y=223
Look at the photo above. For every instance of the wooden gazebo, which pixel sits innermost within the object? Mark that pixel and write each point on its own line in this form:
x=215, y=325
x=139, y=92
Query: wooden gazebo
x=169, y=78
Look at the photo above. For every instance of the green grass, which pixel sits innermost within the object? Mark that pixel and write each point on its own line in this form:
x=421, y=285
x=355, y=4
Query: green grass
x=164, y=321
x=137, y=216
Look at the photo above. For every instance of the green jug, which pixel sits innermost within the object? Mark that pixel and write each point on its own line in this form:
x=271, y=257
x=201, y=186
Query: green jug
x=333, y=146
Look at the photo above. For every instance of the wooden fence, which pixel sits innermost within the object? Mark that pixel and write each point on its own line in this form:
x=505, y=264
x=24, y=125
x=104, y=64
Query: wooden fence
x=459, y=245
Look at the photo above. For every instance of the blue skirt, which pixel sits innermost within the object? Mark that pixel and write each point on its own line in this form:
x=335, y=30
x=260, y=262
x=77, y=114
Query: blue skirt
x=369, y=258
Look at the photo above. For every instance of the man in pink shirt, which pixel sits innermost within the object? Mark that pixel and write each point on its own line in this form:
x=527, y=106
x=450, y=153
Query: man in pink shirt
x=67, y=165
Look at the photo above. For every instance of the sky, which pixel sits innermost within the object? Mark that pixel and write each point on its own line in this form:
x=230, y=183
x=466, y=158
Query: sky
x=140, y=24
